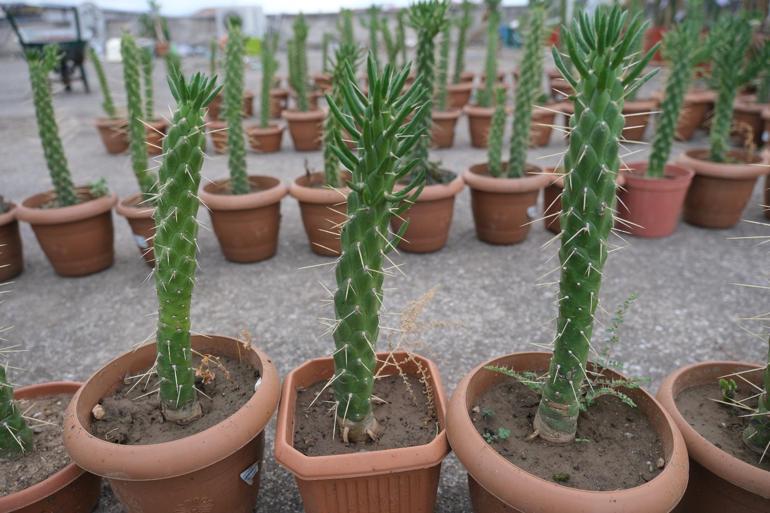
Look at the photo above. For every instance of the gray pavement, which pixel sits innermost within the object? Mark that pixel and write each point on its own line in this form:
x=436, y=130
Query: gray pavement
x=486, y=302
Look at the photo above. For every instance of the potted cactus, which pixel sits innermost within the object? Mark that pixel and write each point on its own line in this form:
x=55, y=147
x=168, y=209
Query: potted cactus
x=245, y=209
x=372, y=24
x=444, y=116
x=72, y=224
x=266, y=136
x=323, y=80
x=461, y=86
x=209, y=453
x=399, y=470
x=11, y=253
x=748, y=108
x=154, y=126
x=113, y=129
x=545, y=391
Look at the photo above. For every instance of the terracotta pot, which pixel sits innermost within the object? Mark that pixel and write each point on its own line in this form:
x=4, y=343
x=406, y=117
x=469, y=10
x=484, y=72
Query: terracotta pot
x=11, y=254
x=323, y=81
x=459, y=94
x=747, y=114
x=323, y=212
x=467, y=76
x=216, y=105
x=653, y=36
x=305, y=128
x=500, y=77
x=246, y=225
x=561, y=90
x=265, y=140
x=501, y=205
x=442, y=133
x=696, y=106
x=156, y=132
x=430, y=218
x=77, y=239
x=637, y=114
x=278, y=102
x=498, y=486
x=719, y=482
x=71, y=489
x=479, y=120
x=140, y=218
x=114, y=134
x=312, y=99
x=766, y=121
x=201, y=472
x=162, y=48
x=218, y=133
x=719, y=192
x=383, y=481
x=651, y=206
x=543, y=120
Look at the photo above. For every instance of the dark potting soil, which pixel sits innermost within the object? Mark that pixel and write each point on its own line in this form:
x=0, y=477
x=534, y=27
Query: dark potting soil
x=48, y=455
x=133, y=417
x=718, y=423
x=407, y=416
x=615, y=448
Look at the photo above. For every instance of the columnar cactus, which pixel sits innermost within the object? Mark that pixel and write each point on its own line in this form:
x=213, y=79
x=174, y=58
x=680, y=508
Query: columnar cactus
x=485, y=96
x=495, y=138
x=173, y=62
x=598, y=49
x=325, y=42
x=40, y=65
x=463, y=24
x=391, y=44
x=346, y=57
x=401, y=34
x=149, y=97
x=373, y=24
x=233, y=110
x=299, y=62
x=442, y=76
x=345, y=27
x=175, y=244
x=107, y=104
x=15, y=436
x=213, y=51
x=756, y=435
x=269, y=67
x=377, y=124
x=528, y=90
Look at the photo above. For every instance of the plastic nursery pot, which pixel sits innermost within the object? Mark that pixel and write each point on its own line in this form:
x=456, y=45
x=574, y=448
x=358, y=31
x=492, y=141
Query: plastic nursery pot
x=479, y=120
x=652, y=206
x=498, y=486
x=719, y=191
x=459, y=94
x=323, y=211
x=442, y=133
x=501, y=205
x=278, y=100
x=215, y=107
x=747, y=117
x=140, y=219
x=218, y=133
x=719, y=482
x=71, y=489
x=384, y=481
x=201, y=472
x=114, y=134
x=265, y=140
x=430, y=218
x=637, y=114
x=246, y=225
x=77, y=239
x=156, y=131
x=11, y=254
x=305, y=128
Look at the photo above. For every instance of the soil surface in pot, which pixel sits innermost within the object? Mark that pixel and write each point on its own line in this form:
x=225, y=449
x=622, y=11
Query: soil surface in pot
x=615, y=448
x=132, y=415
x=49, y=455
x=408, y=418
x=718, y=423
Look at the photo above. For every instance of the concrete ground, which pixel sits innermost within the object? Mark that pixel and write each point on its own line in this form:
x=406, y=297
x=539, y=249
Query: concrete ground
x=486, y=302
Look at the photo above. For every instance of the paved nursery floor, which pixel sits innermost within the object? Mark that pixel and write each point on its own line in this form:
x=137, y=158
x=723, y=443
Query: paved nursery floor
x=486, y=302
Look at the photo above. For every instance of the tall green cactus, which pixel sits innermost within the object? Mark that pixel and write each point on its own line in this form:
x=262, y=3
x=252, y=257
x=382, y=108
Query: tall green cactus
x=598, y=49
x=40, y=65
x=496, y=132
x=391, y=44
x=298, y=57
x=463, y=25
x=373, y=24
x=107, y=104
x=233, y=111
x=213, y=51
x=442, y=77
x=325, y=42
x=269, y=67
x=485, y=96
x=173, y=62
x=377, y=123
x=175, y=243
x=345, y=27
x=15, y=436
x=528, y=90
x=149, y=97
x=401, y=34
x=346, y=56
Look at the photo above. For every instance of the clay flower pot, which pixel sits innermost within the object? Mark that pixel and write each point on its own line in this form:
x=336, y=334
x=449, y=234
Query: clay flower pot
x=719, y=191
x=653, y=36
x=652, y=206
x=246, y=225
x=312, y=99
x=637, y=114
x=459, y=94
x=114, y=134
x=323, y=81
x=265, y=140
x=697, y=104
x=77, y=239
x=479, y=120
x=384, y=481
x=747, y=115
x=323, y=211
x=156, y=131
x=430, y=218
x=278, y=102
x=498, y=486
x=561, y=90
x=500, y=205
x=543, y=120
x=467, y=76
x=217, y=131
x=11, y=255
x=215, y=107
x=305, y=128
x=71, y=489
x=201, y=472
x=140, y=218
x=442, y=133
x=719, y=482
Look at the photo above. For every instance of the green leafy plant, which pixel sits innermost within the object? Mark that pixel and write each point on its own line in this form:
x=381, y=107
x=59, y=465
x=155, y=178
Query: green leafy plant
x=495, y=138
x=149, y=97
x=107, y=104
x=269, y=67
x=385, y=141
x=298, y=63
x=346, y=57
x=442, y=76
x=463, y=25
x=233, y=109
x=345, y=27
x=485, y=96
x=175, y=244
x=373, y=24
x=15, y=436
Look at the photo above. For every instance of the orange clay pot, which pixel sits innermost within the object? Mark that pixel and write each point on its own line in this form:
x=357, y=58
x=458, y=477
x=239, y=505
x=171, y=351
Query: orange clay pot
x=215, y=107
x=747, y=115
x=305, y=128
x=279, y=99
x=637, y=114
x=479, y=121
x=140, y=219
x=114, y=134
x=218, y=134
x=156, y=132
x=11, y=255
x=459, y=94
x=265, y=140
x=443, y=128
x=323, y=211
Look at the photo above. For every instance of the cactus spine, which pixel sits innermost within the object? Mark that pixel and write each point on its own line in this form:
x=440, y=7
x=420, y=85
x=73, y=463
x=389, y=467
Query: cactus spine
x=298, y=57
x=40, y=65
x=345, y=57
x=495, y=139
x=175, y=244
x=149, y=100
x=15, y=436
x=599, y=49
x=377, y=124
x=233, y=107
x=443, y=69
x=528, y=90
x=269, y=67
x=463, y=24
x=486, y=95
x=107, y=103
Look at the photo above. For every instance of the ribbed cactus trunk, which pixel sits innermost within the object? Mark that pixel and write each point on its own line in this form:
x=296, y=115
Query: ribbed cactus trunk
x=269, y=67
x=598, y=48
x=345, y=57
x=325, y=42
x=233, y=107
x=485, y=96
x=175, y=244
x=463, y=24
x=443, y=69
x=15, y=436
x=298, y=58
x=495, y=138
x=107, y=104
x=40, y=65
x=149, y=96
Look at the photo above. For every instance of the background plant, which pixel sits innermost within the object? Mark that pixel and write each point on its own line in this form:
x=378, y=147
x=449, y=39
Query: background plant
x=269, y=67
x=15, y=436
x=325, y=43
x=496, y=132
x=345, y=27
x=391, y=44
x=401, y=34
x=298, y=61
x=485, y=96
x=107, y=104
x=442, y=76
x=463, y=24
x=213, y=51
x=233, y=107
x=149, y=97
x=373, y=24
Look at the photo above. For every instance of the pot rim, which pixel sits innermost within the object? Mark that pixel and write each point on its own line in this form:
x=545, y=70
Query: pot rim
x=703, y=166
x=639, y=107
x=460, y=87
x=370, y=463
x=129, y=462
x=30, y=212
x=715, y=460
x=279, y=91
x=475, y=111
x=438, y=191
x=272, y=129
x=318, y=196
x=292, y=115
x=749, y=105
x=446, y=115
x=676, y=177
x=700, y=96
x=129, y=207
x=485, y=183
x=105, y=122
x=214, y=201
x=9, y=215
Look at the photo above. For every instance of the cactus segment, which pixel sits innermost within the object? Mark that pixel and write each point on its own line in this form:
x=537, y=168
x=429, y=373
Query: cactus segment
x=401, y=34
x=485, y=96
x=496, y=132
x=233, y=111
x=298, y=62
x=756, y=435
x=443, y=69
x=107, y=103
x=269, y=67
x=149, y=100
x=373, y=24
x=345, y=56
x=213, y=50
x=15, y=436
x=345, y=27
x=463, y=24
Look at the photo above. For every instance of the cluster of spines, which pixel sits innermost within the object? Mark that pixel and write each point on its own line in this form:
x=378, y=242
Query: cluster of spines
x=233, y=110
x=346, y=56
x=107, y=104
x=485, y=96
x=442, y=76
x=269, y=67
x=15, y=436
x=149, y=97
x=463, y=24
x=495, y=138
x=298, y=62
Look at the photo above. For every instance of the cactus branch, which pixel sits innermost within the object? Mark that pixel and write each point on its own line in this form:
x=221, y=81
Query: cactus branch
x=298, y=57
x=269, y=67
x=463, y=24
x=346, y=56
x=443, y=69
x=496, y=132
x=756, y=435
x=373, y=24
x=401, y=34
x=345, y=27
x=213, y=50
x=233, y=110
x=107, y=103
x=15, y=436
x=149, y=100
x=486, y=95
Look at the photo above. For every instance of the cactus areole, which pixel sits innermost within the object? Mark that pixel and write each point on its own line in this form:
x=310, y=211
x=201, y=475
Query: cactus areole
x=606, y=70
x=15, y=436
